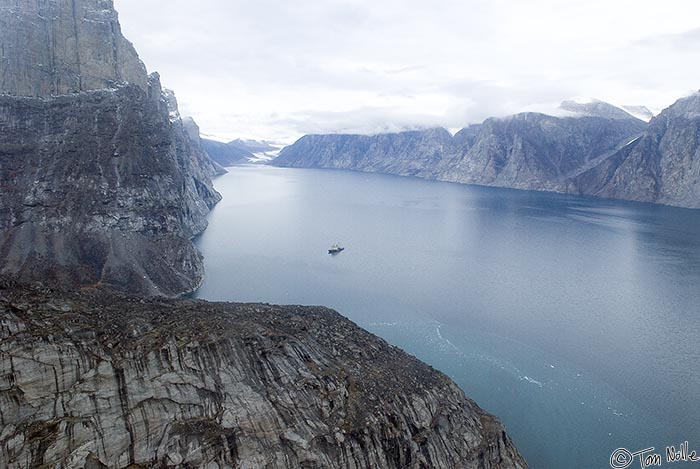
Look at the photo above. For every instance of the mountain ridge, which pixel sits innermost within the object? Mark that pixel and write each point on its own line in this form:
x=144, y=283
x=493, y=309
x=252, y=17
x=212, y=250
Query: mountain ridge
x=579, y=154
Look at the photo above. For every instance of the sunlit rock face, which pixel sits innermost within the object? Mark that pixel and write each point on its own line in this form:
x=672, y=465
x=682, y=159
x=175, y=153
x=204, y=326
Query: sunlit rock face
x=99, y=380
x=102, y=182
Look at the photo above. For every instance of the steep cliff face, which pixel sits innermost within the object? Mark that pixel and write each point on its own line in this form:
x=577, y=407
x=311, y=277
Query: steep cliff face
x=96, y=380
x=525, y=151
x=53, y=47
x=99, y=186
x=662, y=166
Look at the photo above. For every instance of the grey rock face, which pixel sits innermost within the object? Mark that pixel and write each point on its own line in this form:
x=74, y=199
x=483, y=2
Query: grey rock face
x=662, y=166
x=54, y=47
x=97, y=380
x=99, y=187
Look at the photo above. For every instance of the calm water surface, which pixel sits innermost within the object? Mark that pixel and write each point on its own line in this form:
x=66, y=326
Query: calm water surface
x=574, y=320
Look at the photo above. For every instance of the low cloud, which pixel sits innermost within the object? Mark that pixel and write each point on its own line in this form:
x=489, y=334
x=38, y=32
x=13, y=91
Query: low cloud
x=277, y=70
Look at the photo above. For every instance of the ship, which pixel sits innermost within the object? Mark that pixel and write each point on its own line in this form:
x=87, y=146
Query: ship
x=335, y=249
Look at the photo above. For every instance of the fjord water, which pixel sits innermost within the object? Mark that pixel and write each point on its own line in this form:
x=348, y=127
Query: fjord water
x=575, y=320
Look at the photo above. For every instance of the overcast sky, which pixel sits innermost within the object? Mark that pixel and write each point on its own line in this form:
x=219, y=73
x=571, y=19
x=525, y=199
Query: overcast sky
x=278, y=69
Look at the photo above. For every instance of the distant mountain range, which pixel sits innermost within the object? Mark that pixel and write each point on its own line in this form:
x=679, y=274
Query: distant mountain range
x=237, y=151
x=591, y=148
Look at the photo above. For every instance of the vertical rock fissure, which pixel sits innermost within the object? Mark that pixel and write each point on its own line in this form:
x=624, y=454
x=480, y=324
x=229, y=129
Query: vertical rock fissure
x=115, y=53
x=124, y=401
x=77, y=47
x=51, y=38
x=4, y=65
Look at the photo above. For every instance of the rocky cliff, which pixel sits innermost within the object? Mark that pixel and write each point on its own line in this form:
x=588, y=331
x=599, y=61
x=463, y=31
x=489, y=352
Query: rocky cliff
x=92, y=379
x=662, y=166
x=53, y=47
x=525, y=151
x=102, y=184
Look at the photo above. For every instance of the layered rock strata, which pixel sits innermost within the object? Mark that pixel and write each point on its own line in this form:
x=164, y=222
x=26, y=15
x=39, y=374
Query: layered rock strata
x=92, y=379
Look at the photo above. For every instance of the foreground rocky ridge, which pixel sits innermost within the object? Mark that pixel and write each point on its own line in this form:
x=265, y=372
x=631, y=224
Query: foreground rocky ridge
x=102, y=182
x=603, y=151
x=91, y=379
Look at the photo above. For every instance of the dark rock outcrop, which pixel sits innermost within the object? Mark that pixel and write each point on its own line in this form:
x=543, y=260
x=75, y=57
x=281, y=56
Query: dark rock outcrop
x=91, y=379
x=102, y=185
x=662, y=166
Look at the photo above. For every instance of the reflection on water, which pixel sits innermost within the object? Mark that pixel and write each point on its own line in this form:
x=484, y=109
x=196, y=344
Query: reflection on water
x=575, y=320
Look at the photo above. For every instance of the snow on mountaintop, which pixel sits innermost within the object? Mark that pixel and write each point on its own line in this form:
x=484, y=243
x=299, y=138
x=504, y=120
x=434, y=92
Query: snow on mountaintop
x=640, y=112
x=595, y=108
